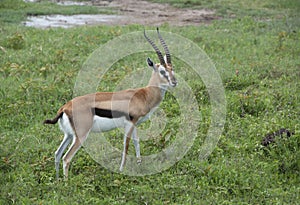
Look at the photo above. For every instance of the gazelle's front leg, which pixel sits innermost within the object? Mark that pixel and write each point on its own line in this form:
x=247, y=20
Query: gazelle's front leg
x=136, y=142
x=128, y=132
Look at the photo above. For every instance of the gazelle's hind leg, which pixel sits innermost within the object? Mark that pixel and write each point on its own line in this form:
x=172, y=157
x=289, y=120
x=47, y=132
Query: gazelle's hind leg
x=82, y=122
x=59, y=152
x=76, y=144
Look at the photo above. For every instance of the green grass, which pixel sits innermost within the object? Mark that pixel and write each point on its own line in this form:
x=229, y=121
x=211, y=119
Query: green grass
x=38, y=69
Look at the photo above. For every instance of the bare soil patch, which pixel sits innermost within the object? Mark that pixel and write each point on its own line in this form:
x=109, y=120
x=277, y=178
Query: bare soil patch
x=148, y=13
x=128, y=12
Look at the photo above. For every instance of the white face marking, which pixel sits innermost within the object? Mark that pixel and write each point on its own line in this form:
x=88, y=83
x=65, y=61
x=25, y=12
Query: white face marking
x=166, y=75
x=163, y=72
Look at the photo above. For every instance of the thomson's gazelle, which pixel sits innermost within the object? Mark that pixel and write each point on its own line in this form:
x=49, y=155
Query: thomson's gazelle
x=104, y=111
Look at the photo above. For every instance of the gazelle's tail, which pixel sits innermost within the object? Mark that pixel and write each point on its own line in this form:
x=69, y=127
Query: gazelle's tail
x=54, y=120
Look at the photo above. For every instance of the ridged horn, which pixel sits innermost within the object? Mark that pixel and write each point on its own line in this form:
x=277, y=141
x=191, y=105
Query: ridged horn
x=163, y=43
x=160, y=56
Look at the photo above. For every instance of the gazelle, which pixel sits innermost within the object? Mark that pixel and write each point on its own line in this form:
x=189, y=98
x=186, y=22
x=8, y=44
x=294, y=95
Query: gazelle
x=104, y=111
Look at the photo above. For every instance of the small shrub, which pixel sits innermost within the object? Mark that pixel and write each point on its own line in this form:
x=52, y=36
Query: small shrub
x=16, y=41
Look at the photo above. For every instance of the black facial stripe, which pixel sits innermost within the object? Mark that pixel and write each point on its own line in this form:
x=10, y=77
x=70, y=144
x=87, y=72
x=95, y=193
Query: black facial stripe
x=111, y=113
x=167, y=77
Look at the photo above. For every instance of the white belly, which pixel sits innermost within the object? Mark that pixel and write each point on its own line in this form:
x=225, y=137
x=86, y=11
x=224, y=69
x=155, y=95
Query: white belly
x=102, y=124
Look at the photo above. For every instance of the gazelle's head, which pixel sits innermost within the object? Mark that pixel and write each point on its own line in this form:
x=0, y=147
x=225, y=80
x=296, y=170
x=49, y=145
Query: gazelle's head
x=162, y=71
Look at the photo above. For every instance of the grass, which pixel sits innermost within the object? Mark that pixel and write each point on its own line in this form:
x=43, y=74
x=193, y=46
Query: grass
x=38, y=69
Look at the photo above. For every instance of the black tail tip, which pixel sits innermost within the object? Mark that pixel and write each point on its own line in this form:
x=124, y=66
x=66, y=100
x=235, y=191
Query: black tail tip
x=48, y=122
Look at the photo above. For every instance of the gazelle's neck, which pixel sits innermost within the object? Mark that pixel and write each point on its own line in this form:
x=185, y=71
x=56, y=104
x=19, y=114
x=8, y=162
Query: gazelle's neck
x=154, y=80
x=155, y=84
x=163, y=90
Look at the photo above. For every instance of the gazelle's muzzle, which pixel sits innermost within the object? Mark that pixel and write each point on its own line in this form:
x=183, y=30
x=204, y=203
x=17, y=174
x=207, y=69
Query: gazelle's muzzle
x=173, y=82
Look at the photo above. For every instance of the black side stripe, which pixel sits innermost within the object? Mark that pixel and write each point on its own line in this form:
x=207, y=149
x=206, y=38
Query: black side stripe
x=110, y=113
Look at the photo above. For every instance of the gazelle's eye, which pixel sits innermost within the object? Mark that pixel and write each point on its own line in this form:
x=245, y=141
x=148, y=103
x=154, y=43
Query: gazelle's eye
x=162, y=72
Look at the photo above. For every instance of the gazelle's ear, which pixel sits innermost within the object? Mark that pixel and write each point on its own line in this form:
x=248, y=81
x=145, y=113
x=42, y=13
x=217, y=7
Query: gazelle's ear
x=151, y=64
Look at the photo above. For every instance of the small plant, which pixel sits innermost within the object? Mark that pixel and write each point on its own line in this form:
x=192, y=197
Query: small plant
x=281, y=37
x=16, y=41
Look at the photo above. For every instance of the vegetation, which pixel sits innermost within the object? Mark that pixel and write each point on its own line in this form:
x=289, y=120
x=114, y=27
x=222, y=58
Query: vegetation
x=257, y=57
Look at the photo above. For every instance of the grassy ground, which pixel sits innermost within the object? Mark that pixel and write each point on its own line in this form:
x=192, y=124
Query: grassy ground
x=38, y=69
